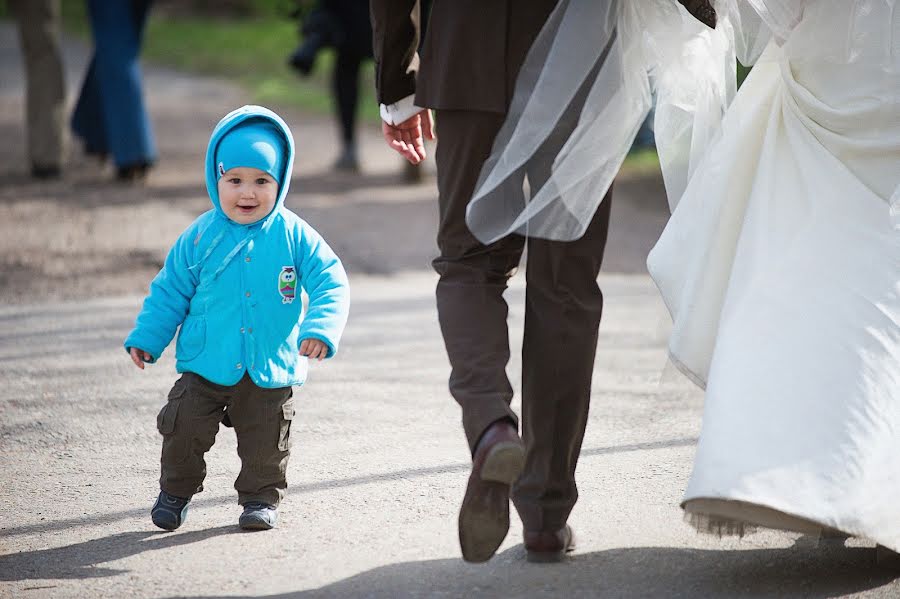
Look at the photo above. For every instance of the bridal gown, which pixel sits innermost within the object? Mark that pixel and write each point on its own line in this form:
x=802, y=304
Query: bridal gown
x=780, y=265
x=781, y=269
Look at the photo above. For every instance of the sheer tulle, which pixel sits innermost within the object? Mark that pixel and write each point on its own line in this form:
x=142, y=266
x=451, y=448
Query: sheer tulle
x=588, y=83
x=591, y=75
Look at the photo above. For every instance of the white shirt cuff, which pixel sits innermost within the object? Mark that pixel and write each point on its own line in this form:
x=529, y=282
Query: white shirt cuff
x=399, y=111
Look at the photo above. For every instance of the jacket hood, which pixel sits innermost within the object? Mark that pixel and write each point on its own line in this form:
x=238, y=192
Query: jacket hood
x=229, y=122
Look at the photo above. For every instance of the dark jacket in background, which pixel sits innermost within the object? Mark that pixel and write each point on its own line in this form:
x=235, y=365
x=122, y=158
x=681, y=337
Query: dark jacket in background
x=471, y=55
x=343, y=24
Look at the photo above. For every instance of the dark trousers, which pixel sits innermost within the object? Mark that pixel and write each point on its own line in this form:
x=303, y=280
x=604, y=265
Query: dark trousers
x=562, y=314
x=110, y=116
x=262, y=422
x=346, y=93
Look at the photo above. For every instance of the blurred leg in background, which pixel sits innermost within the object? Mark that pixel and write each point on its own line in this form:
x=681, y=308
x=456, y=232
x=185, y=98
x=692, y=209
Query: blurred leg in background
x=110, y=116
x=344, y=26
x=39, y=32
x=346, y=94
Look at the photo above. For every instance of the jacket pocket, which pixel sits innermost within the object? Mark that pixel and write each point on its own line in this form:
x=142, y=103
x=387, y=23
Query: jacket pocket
x=284, y=432
x=165, y=420
x=191, y=338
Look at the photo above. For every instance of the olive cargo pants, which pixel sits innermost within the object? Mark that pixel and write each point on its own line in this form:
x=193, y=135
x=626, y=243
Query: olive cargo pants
x=262, y=422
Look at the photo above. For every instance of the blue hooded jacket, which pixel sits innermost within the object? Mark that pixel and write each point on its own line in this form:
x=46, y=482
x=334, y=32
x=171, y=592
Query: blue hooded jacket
x=235, y=289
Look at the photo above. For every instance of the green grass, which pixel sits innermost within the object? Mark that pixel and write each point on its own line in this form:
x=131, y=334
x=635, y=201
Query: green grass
x=640, y=163
x=252, y=51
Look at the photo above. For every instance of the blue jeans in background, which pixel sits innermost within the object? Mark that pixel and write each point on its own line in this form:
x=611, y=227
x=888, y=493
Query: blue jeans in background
x=110, y=116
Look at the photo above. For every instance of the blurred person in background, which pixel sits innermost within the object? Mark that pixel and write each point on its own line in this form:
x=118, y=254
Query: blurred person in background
x=39, y=32
x=110, y=116
x=343, y=25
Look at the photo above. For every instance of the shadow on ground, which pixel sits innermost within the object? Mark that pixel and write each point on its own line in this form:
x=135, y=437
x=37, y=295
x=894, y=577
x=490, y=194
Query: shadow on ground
x=81, y=560
x=802, y=570
x=633, y=572
x=298, y=489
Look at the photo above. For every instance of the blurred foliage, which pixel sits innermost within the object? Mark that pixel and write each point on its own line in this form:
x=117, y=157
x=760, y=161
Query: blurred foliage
x=640, y=162
x=253, y=52
x=227, y=8
x=742, y=73
x=74, y=15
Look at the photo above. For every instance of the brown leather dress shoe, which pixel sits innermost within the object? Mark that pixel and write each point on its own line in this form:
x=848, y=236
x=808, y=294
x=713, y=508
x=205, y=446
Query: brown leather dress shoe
x=885, y=558
x=484, y=515
x=548, y=547
x=702, y=10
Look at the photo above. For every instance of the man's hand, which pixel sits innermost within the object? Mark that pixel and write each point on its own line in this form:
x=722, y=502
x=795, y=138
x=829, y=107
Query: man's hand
x=408, y=138
x=314, y=348
x=139, y=356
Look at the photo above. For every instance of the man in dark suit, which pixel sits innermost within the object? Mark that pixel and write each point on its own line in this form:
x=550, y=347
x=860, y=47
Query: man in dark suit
x=470, y=59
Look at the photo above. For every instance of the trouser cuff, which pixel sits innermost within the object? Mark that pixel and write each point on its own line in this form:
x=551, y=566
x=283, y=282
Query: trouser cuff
x=271, y=497
x=476, y=421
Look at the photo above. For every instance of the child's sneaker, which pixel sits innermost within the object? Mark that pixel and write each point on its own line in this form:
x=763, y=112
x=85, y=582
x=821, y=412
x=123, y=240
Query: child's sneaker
x=258, y=516
x=169, y=511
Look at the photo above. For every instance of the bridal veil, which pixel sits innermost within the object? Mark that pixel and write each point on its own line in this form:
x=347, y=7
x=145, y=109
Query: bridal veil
x=598, y=64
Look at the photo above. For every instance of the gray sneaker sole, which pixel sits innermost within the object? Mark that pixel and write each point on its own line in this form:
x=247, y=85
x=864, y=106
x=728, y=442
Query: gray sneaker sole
x=253, y=523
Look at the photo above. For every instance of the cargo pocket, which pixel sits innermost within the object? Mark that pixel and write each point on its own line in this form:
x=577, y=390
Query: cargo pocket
x=165, y=420
x=284, y=432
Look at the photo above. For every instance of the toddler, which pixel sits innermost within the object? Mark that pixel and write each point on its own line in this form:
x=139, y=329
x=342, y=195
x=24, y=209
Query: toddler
x=232, y=284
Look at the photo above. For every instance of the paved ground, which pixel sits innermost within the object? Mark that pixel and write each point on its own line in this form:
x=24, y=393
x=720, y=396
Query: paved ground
x=379, y=461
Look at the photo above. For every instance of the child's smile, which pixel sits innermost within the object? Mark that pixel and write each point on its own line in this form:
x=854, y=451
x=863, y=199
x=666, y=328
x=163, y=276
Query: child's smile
x=247, y=195
x=247, y=209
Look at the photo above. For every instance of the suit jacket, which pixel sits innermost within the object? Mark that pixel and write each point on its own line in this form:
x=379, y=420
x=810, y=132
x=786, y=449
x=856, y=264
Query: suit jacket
x=471, y=56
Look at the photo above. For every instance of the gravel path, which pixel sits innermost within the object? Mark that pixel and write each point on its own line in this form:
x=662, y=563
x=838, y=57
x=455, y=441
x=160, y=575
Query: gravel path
x=379, y=461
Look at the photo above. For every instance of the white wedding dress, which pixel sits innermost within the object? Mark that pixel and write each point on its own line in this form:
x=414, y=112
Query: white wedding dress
x=781, y=263
x=781, y=269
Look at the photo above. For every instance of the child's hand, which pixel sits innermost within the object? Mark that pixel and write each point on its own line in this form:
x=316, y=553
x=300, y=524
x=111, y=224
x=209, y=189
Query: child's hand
x=314, y=348
x=139, y=356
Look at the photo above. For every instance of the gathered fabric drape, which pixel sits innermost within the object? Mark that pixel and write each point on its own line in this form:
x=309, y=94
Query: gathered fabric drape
x=780, y=265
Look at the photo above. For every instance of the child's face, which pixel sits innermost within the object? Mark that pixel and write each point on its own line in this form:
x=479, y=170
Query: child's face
x=247, y=194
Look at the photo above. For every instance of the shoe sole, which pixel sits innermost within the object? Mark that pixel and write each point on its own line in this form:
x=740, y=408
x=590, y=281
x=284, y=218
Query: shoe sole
x=255, y=525
x=504, y=463
x=481, y=527
x=170, y=526
x=484, y=523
